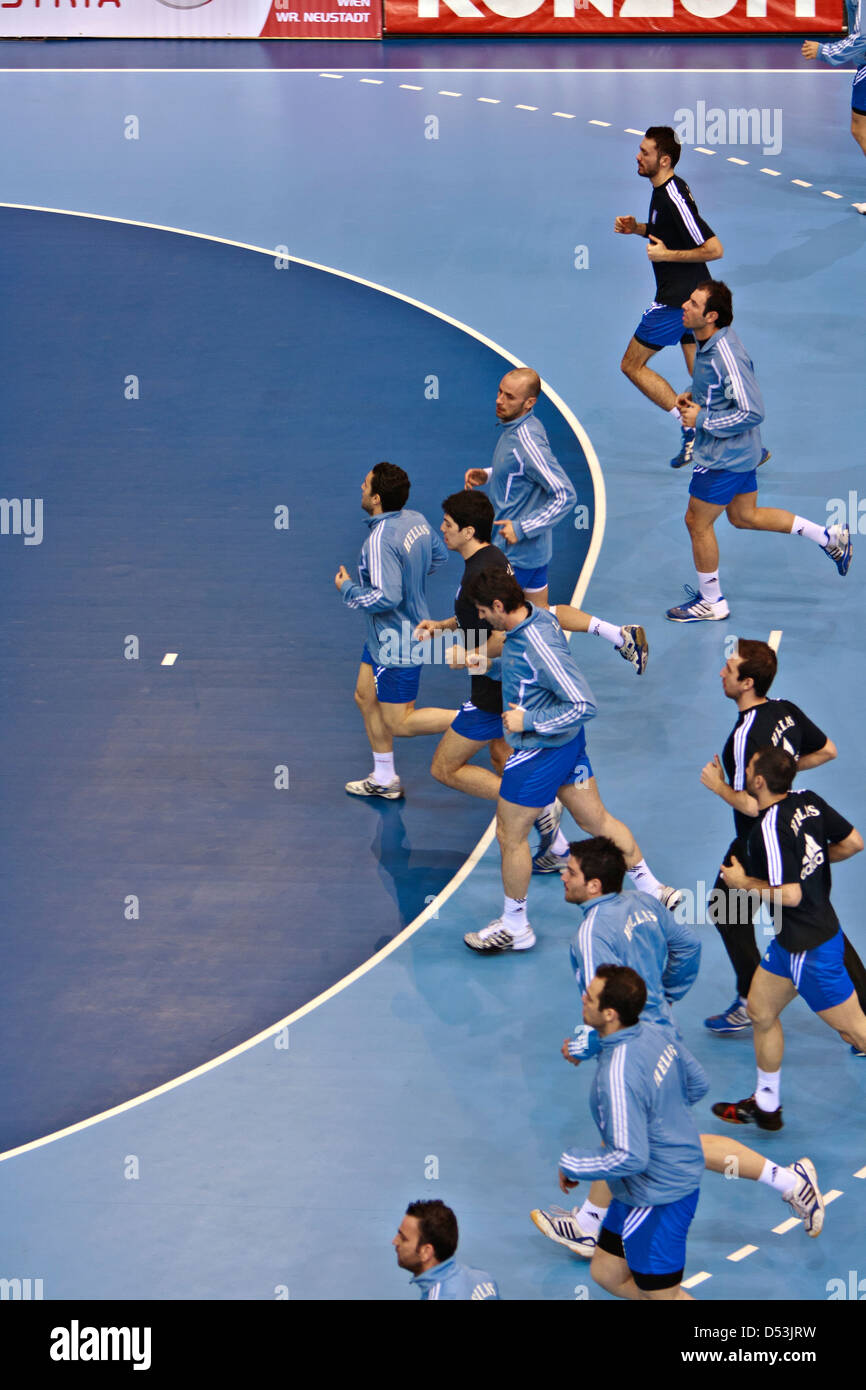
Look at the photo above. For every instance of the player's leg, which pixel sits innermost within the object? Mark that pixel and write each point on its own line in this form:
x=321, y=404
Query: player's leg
x=771, y=991
x=835, y=541
x=849, y=1020
x=707, y=602
x=823, y=982
x=797, y=1184
x=511, y=931
x=383, y=780
x=858, y=120
x=403, y=720
x=579, y=1228
x=730, y=911
x=648, y=382
x=533, y=582
x=629, y=640
x=689, y=347
x=654, y=1241
x=452, y=766
x=613, y=1275
x=582, y=798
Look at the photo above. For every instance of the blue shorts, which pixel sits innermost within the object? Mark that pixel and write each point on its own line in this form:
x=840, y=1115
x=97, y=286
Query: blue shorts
x=533, y=776
x=395, y=685
x=819, y=976
x=721, y=485
x=651, y=1240
x=858, y=92
x=662, y=326
x=531, y=579
x=477, y=724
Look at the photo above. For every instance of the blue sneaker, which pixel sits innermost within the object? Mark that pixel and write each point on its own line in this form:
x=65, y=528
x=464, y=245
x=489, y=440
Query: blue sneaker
x=684, y=457
x=765, y=458
x=735, y=1019
x=547, y=824
x=839, y=547
x=546, y=862
x=857, y=1051
x=698, y=609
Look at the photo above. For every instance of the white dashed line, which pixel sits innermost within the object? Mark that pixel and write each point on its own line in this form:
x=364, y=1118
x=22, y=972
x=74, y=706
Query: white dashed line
x=742, y=1253
x=831, y=1196
x=566, y=115
x=169, y=659
x=450, y=94
x=521, y=107
x=861, y=1173
x=827, y=194
x=373, y=81
x=786, y=1226
x=732, y=160
x=628, y=131
x=774, y=173
x=604, y=123
x=337, y=76
x=801, y=183
x=491, y=101
x=775, y=638
x=696, y=1279
x=699, y=149
x=410, y=87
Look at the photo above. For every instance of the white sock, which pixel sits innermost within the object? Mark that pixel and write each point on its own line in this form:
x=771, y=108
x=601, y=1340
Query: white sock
x=591, y=1216
x=514, y=914
x=559, y=844
x=643, y=877
x=383, y=769
x=599, y=628
x=675, y=411
x=709, y=586
x=767, y=1089
x=783, y=1179
x=811, y=530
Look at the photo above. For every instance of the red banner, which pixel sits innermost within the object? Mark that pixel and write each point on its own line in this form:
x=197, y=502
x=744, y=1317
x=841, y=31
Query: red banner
x=347, y=19
x=612, y=16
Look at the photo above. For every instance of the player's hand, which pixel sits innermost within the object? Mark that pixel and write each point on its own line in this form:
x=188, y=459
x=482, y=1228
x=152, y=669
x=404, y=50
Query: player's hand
x=456, y=656
x=476, y=662
x=810, y=49
x=735, y=876
x=575, y=1061
x=425, y=629
x=684, y=398
x=713, y=775
x=475, y=477
x=689, y=414
x=512, y=719
x=625, y=225
x=565, y=1185
x=342, y=577
x=507, y=531
x=656, y=250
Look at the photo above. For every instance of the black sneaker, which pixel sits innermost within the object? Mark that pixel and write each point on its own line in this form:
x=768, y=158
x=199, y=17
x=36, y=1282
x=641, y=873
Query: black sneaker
x=746, y=1112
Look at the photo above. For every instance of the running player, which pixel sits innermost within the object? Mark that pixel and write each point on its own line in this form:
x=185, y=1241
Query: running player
x=789, y=854
x=746, y=677
x=396, y=559
x=531, y=491
x=467, y=529
x=680, y=245
x=650, y=1153
x=849, y=50
x=547, y=703
x=426, y=1245
x=726, y=411
x=627, y=928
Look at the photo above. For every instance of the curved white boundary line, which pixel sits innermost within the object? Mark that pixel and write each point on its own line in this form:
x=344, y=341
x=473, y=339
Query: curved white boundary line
x=480, y=849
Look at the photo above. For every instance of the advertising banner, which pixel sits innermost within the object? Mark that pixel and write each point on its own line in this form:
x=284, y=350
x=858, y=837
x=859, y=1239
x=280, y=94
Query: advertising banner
x=612, y=16
x=191, y=19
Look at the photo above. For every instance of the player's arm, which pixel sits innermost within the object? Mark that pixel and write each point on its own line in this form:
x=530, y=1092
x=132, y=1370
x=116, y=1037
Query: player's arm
x=694, y=1076
x=815, y=747
x=571, y=619
x=541, y=465
x=782, y=886
x=849, y=50
x=821, y=755
x=684, y=956
x=440, y=552
x=385, y=589
x=709, y=250
x=628, y=226
x=713, y=778
x=844, y=848
x=625, y=1142
x=476, y=477
x=573, y=703
x=428, y=626
x=743, y=410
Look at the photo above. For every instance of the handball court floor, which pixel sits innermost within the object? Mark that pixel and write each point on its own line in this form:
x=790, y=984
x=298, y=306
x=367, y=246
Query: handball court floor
x=195, y=395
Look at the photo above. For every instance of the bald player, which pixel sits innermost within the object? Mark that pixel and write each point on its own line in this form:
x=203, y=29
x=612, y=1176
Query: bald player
x=529, y=489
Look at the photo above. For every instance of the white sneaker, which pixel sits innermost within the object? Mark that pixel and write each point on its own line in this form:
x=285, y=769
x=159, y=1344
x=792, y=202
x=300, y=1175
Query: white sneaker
x=563, y=1226
x=367, y=787
x=497, y=937
x=806, y=1198
x=668, y=897
x=859, y=207
x=698, y=609
x=635, y=648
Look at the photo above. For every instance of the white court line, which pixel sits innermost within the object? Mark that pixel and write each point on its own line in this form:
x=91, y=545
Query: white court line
x=432, y=908
x=566, y=115
x=733, y=160
x=491, y=101
x=786, y=1226
x=801, y=183
x=696, y=1279
x=169, y=659
x=337, y=76
x=604, y=123
x=373, y=81
x=861, y=1173
x=521, y=107
x=556, y=72
x=774, y=173
x=831, y=1196
x=827, y=194
x=627, y=130
x=699, y=149
x=775, y=638
x=409, y=87
x=743, y=1253
x=449, y=94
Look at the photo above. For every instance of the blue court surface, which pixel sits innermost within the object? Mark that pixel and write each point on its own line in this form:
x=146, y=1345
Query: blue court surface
x=305, y=260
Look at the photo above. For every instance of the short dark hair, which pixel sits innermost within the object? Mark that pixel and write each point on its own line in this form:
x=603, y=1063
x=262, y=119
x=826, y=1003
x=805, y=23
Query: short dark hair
x=437, y=1226
x=473, y=509
x=719, y=301
x=777, y=767
x=391, y=485
x=666, y=142
x=495, y=583
x=757, y=662
x=624, y=991
x=600, y=858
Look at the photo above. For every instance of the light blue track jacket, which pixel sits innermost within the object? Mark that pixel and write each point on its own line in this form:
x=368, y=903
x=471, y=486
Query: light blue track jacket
x=724, y=385
x=449, y=1280
x=853, y=48
x=401, y=550
x=651, y=1153
x=635, y=929
x=538, y=674
x=529, y=488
